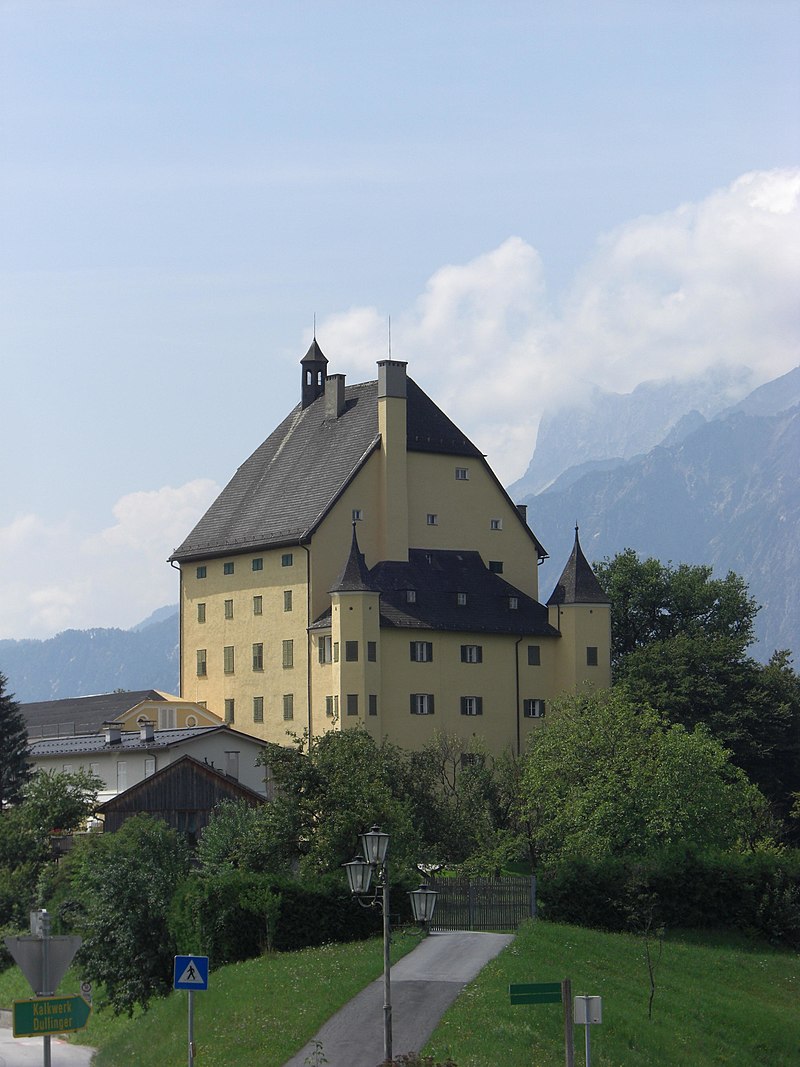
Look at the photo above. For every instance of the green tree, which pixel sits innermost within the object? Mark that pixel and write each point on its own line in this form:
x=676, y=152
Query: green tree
x=58, y=800
x=607, y=776
x=122, y=885
x=653, y=601
x=14, y=763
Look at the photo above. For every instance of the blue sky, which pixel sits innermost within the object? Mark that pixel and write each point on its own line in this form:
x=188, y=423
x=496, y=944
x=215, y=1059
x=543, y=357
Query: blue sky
x=540, y=195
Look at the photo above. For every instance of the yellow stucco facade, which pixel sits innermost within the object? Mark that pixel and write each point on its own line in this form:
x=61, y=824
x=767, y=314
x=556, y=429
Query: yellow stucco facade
x=277, y=639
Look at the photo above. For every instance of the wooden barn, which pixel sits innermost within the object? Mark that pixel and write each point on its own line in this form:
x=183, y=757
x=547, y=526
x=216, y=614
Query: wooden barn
x=183, y=794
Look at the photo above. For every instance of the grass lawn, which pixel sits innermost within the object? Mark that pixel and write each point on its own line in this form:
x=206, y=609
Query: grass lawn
x=255, y=1013
x=718, y=1000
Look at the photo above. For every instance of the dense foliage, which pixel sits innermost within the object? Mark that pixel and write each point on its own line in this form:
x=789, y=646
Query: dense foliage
x=14, y=764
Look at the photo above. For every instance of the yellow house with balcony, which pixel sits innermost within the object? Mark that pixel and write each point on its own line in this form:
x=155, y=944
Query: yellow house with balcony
x=365, y=567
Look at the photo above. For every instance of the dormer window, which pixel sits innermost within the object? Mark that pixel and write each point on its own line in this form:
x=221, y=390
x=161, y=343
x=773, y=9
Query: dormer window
x=513, y=603
x=461, y=599
x=411, y=596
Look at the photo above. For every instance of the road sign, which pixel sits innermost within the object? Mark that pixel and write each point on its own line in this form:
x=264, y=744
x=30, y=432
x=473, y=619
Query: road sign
x=588, y=1010
x=28, y=953
x=535, y=993
x=191, y=972
x=50, y=1015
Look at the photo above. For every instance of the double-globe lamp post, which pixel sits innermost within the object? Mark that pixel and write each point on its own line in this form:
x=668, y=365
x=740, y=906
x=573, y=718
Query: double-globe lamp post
x=374, y=849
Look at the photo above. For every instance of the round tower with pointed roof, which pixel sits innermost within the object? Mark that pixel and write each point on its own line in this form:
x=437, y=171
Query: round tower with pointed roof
x=580, y=610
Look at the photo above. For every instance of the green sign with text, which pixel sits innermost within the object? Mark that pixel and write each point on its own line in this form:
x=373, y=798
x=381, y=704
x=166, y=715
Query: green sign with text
x=50, y=1015
x=535, y=993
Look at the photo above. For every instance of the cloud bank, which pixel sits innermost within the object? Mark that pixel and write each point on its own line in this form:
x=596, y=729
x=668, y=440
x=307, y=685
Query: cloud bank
x=709, y=284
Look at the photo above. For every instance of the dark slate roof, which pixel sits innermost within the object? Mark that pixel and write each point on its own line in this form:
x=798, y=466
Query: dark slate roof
x=437, y=576
x=185, y=769
x=85, y=744
x=284, y=490
x=578, y=583
x=355, y=576
x=314, y=354
x=80, y=715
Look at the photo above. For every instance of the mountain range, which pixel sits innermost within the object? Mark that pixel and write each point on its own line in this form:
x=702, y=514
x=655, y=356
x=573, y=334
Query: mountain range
x=700, y=471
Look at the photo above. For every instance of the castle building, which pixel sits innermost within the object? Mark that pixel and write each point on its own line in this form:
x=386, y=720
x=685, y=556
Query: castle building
x=365, y=567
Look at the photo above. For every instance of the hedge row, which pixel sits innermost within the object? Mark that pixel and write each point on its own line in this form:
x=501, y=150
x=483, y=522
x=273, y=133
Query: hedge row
x=756, y=892
x=237, y=915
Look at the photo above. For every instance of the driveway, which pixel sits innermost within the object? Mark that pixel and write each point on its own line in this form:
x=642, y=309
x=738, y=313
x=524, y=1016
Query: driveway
x=424, y=984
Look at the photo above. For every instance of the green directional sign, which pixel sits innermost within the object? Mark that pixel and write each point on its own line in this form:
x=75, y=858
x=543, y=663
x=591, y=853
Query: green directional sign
x=50, y=1015
x=535, y=993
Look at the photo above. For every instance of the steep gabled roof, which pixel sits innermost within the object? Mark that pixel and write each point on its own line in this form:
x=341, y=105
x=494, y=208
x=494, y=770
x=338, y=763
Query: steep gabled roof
x=437, y=576
x=185, y=772
x=81, y=715
x=283, y=491
x=578, y=583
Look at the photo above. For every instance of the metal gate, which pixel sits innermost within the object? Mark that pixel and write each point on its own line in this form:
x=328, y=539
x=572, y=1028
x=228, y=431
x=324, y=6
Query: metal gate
x=484, y=903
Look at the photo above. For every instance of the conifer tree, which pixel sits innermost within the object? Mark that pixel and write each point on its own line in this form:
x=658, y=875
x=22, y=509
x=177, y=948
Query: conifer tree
x=14, y=766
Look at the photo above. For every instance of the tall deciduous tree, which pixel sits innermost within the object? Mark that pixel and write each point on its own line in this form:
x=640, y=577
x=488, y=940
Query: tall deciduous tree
x=14, y=764
x=607, y=776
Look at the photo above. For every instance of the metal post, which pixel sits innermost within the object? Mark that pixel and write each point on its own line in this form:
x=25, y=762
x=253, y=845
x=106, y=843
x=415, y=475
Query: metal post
x=45, y=991
x=191, y=1028
x=588, y=1029
x=387, y=964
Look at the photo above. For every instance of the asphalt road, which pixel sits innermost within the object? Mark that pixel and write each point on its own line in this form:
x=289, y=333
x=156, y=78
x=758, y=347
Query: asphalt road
x=27, y=1051
x=424, y=985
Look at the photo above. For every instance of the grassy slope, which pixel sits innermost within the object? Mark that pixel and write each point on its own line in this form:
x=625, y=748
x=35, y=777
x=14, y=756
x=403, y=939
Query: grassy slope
x=716, y=1002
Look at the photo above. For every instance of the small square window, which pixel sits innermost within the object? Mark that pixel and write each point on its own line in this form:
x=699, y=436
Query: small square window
x=462, y=474
x=201, y=572
x=352, y=703
x=351, y=652
x=227, y=568
x=358, y=514
x=591, y=655
x=288, y=706
x=258, y=564
x=496, y=566
x=258, y=656
x=534, y=656
x=472, y=705
x=228, y=609
x=258, y=709
x=288, y=653
x=472, y=653
x=461, y=599
x=201, y=613
x=422, y=703
x=228, y=659
x=258, y=605
x=533, y=709
x=373, y=703
x=287, y=559
x=202, y=663
x=432, y=520
x=372, y=651
x=421, y=651
x=495, y=524
x=287, y=600
x=230, y=709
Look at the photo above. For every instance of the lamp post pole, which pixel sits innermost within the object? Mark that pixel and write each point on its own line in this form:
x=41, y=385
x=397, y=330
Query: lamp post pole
x=387, y=971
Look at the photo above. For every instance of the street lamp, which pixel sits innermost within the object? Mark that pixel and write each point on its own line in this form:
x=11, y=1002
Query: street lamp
x=374, y=848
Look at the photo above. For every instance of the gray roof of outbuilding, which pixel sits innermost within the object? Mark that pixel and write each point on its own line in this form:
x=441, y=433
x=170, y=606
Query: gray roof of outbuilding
x=81, y=715
x=578, y=583
x=437, y=576
x=85, y=744
x=287, y=486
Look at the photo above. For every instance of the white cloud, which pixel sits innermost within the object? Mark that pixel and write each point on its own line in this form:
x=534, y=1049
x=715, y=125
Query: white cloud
x=672, y=295
x=59, y=576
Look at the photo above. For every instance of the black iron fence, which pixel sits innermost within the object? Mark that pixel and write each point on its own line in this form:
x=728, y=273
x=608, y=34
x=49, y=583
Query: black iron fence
x=484, y=903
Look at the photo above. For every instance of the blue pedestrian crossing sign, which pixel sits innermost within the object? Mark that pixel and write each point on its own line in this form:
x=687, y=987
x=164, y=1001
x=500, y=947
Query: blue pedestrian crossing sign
x=191, y=972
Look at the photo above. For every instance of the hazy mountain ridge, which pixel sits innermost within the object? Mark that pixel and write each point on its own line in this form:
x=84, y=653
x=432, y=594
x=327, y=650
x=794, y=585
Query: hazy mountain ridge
x=728, y=495
x=84, y=662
